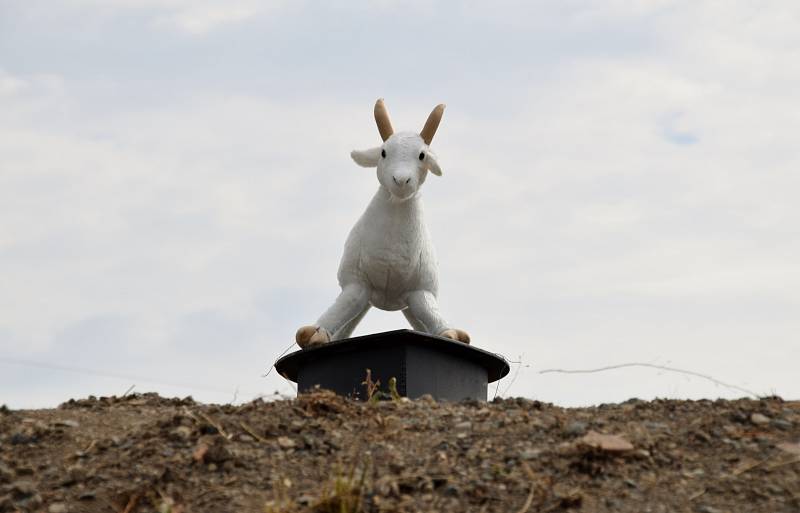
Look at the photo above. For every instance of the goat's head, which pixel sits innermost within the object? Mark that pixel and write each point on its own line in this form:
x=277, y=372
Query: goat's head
x=404, y=158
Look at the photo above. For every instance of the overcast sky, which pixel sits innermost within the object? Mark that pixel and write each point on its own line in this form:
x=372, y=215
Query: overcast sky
x=620, y=185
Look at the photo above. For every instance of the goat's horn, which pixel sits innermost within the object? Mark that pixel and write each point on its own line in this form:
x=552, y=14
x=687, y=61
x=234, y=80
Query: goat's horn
x=432, y=124
x=382, y=119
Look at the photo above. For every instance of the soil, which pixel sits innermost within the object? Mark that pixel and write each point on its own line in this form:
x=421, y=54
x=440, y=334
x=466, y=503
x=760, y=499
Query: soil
x=323, y=453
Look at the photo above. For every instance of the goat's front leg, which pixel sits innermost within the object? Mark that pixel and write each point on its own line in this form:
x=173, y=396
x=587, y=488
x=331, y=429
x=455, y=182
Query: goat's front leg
x=423, y=312
x=351, y=303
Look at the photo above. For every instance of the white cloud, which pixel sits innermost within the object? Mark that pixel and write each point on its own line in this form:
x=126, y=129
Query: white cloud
x=10, y=85
x=626, y=204
x=191, y=17
x=200, y=19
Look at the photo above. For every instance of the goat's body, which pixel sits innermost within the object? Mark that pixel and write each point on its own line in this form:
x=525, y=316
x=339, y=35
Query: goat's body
x=388, y=259
x=390, y=252
x=388, y=263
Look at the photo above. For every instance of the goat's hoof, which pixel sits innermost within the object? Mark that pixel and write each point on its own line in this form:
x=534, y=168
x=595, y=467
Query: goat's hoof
x=310, y=336
x=457, y=335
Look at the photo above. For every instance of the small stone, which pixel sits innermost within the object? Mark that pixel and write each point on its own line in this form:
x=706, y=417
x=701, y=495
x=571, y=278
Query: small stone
x=774, y=489
x=763, y=440
x=576, y=428
x=656, y=426
x=740, y=417
x=217, y=453
x=20, y=438
x=35, y=424
x=530, y=454
x=23, y=489
x=452, y=490
x=25, y=471
x=708, y=509
x=31, y=502
x=568, y=497
x=698, y=472
x=462, y=426
x=57, y=507
x=607, y=443
x=702, y=435
x=305, y=500
x=783, y=424
x=286, y=443
x=791, y=448
x=6, y=474
x=66, y=423
x=758, y=419
x=180, y=433
x=88, y=495
x=74, y=474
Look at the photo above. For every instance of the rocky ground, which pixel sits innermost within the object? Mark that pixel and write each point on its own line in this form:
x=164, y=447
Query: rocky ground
x=323, y=453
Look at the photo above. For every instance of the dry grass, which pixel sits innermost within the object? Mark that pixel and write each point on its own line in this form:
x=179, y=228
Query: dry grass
x=344, y=493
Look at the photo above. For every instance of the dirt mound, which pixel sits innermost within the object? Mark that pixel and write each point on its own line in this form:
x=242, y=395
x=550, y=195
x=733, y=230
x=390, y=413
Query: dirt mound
x=323, y=453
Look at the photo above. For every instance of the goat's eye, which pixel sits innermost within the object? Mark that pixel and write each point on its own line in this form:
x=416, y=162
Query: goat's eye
x=383, y=153
x=422, y=155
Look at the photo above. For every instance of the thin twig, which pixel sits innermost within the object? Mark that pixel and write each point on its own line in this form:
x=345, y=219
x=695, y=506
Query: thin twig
x=214, y=423
x=783, y=464
x=89, y=447
x=652, y=366
x=529, y=500
x=528, y=471
x=697, y=494
x=129, y=390
x=532, y=491
x=741, y=470
x=131, y=503
x=278, y=358
x=516, y=374
x=252, y=432
x=191, y=414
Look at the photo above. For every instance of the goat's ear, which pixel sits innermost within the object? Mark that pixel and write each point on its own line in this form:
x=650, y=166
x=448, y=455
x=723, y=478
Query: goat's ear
x=433, y=164
x=367, y=158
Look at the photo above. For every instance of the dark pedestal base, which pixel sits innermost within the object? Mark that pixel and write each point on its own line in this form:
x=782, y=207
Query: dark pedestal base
x=421, y=364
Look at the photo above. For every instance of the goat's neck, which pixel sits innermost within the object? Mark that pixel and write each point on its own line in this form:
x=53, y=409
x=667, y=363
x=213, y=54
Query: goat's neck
x=384, y=201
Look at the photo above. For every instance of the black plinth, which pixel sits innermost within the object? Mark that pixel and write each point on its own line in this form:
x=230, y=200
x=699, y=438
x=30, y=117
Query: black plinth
x=421, y=364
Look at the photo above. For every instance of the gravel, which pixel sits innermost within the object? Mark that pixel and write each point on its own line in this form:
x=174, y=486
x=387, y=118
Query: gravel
x=320, y=452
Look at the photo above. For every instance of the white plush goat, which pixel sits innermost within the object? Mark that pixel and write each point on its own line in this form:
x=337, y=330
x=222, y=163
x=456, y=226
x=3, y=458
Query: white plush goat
x=389, y=260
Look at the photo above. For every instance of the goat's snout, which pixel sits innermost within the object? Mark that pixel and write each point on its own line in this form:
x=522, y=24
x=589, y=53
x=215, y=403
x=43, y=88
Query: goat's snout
x=400, y=181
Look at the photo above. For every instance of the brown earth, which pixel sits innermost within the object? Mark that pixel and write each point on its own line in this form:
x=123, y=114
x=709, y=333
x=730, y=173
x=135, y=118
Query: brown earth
x=323, y=453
